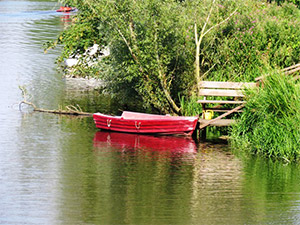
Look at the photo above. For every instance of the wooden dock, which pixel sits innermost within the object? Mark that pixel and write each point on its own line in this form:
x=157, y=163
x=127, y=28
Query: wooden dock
x=203, y=124
x=229, y=93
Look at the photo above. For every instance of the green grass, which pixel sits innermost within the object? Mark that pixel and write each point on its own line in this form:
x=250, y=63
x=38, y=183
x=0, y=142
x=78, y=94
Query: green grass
x=190, y=107
x=270, y=124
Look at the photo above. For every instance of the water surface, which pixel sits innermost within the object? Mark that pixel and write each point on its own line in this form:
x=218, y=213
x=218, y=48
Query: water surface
x=62, y=170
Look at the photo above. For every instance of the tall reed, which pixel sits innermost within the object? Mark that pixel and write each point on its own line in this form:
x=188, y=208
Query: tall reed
x=189, y=106
x=270, y=124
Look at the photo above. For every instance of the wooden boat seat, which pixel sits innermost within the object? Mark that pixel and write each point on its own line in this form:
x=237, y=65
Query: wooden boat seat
x=141, y=116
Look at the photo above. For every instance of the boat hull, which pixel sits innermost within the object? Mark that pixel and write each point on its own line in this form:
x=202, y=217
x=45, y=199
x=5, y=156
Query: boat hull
x=132, y=122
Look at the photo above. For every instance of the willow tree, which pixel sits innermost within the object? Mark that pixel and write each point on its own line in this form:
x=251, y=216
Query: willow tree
x=148, y=47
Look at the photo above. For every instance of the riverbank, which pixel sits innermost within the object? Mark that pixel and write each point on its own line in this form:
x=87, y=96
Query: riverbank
x=245, y=39
x=162, y=64
x=83, y=83
x=59, y=170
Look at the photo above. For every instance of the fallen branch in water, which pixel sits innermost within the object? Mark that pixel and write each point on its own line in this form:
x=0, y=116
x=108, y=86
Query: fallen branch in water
x=70, y=110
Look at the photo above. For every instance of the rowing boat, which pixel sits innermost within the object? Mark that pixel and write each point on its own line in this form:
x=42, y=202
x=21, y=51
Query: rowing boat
x=134, y=122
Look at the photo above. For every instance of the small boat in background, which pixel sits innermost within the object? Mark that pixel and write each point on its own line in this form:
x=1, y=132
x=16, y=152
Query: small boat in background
x=133, y=122
x=66, y=9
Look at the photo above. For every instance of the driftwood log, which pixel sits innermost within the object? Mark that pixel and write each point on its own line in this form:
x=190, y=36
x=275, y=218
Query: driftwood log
x=69, y=110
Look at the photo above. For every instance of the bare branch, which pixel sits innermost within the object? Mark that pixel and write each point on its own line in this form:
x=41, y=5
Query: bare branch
x=204, y=75
x=221, y=22
x=71, y=110
x=206, y=22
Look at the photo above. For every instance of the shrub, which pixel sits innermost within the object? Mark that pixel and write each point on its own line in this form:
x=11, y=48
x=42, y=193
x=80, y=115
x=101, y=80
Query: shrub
x=259, y=36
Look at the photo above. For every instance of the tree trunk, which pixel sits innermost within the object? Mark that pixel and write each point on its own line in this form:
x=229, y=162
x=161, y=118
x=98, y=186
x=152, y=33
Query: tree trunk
x=197, y=67
x=165, y=88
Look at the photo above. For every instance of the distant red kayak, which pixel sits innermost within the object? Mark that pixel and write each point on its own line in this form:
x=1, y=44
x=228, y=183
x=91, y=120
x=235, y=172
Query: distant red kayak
x=133, y=122
x=66, y=9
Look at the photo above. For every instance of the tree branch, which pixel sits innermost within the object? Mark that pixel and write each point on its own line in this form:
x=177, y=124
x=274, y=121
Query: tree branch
x=163, y=79
x=206, y=22
x=221, y=22
x=70, y=110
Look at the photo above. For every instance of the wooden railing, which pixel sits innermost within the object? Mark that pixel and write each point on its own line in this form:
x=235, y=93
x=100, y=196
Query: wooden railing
x=289, y=70
x=231, y=94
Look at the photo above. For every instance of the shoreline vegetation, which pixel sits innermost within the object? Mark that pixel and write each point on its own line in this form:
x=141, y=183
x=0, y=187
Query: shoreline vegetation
x=270, y=123
x=159, y=52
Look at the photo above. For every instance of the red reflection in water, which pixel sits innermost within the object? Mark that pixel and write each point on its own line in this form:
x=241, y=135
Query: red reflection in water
x=124, y=141
x=66, y=18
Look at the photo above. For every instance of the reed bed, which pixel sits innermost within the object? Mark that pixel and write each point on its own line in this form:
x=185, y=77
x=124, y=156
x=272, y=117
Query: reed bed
x=270, y=123
x=189, y=106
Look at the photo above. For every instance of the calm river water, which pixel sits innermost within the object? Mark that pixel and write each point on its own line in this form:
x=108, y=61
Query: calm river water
x=62, y=170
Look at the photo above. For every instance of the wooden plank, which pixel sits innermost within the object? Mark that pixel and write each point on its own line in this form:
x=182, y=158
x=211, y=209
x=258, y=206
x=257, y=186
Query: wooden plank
x=221, y=109
x=220, y=102
x=220, y=92
x=218, y=123
x=292, y=71
x=229, y=85
x=259, y=78
x=287, y=71
x=291, y=67
x=221, y=116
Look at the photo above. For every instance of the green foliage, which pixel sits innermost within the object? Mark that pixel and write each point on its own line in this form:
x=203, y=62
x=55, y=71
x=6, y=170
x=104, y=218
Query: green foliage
x=80, y=34
x=152, y=44
x=190, y=107
x=270, y=124
x=279, y=2
x=259, y=36
x=147, y=40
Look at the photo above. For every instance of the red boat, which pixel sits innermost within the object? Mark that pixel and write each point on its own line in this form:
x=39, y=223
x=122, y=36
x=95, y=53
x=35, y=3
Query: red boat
x=133, y=122
x=66, y=9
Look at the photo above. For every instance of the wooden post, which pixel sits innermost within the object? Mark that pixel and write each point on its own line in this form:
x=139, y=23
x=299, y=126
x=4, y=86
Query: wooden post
x=203, y=131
